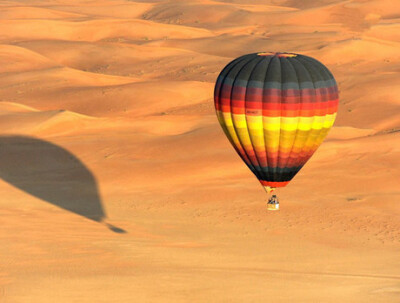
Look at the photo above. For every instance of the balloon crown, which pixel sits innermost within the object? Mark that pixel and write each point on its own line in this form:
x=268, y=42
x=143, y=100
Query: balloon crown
x=278, y=54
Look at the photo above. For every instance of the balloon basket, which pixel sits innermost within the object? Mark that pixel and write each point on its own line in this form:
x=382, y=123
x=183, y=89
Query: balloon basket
x=273, y=203
x=272, y=206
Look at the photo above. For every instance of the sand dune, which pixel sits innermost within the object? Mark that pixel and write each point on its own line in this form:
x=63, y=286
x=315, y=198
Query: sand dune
x=31, y=12
x=131, y=29
x=108, y=126
x=359, y=50
x=116, y=58
x=18, y=59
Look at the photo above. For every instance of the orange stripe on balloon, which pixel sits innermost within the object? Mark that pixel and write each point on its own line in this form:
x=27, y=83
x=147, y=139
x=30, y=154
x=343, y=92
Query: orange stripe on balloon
x=274, y=184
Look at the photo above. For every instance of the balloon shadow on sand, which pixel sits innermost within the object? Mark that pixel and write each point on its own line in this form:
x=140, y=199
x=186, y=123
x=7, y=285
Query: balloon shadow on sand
x=53, y=174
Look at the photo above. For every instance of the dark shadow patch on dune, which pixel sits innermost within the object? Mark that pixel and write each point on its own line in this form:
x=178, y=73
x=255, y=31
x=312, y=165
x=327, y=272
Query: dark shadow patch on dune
x=53, y=174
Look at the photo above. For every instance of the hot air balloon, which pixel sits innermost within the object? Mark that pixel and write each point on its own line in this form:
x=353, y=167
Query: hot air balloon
x=275, y=109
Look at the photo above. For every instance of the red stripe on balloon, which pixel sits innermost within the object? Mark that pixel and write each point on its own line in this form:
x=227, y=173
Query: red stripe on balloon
x=279, y=113
x=275, y=106
x=274, y=184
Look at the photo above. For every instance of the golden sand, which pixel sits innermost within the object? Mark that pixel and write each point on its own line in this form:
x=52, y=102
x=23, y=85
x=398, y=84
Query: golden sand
x=107, y=117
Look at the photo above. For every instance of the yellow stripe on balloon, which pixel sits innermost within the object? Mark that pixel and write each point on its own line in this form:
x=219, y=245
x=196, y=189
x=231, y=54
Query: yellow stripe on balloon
x=329, y=120
x=255, y=122
x=226, y=120
x=256, y=133
x=289, y=123
x=277, y=123
x=286, y=134
x=243, y=135
x=239, y=120
x=305, y=123
x=272, y=123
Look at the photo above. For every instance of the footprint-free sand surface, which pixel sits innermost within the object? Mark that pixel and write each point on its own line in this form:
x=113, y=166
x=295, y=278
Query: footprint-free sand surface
x=117, y=183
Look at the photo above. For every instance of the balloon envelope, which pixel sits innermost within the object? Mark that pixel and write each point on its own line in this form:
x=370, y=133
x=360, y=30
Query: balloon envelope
x=275, y=109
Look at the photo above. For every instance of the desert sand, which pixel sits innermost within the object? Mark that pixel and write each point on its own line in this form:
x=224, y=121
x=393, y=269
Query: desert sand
x=117, y=183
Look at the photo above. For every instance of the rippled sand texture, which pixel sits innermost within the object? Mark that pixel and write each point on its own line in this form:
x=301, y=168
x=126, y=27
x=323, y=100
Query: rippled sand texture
x=117, y=183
